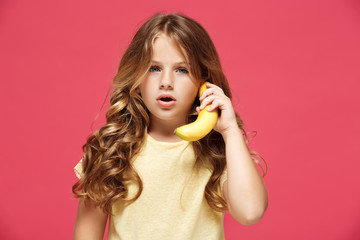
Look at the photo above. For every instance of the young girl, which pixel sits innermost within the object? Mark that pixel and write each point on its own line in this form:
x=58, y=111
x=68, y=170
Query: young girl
x=151, y=183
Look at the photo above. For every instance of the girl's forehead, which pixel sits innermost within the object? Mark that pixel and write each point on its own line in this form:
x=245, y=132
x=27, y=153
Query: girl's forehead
x=170, y=41
x=164, y=36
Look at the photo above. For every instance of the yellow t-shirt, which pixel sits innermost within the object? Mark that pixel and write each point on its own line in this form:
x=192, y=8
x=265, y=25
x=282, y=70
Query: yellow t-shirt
x=172, y=204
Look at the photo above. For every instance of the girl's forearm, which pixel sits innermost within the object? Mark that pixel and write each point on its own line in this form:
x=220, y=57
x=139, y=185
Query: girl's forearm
x=246, y=192
x=90, y=221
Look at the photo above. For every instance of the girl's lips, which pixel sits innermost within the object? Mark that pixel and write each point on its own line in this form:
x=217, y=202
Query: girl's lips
x=166, y=103
x=166, y=100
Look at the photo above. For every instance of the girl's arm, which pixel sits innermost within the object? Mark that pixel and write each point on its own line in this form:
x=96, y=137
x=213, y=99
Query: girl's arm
x=244, y=190
x=90, y=221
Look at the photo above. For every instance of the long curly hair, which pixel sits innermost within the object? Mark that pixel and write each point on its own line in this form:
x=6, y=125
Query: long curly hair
x=108, y=152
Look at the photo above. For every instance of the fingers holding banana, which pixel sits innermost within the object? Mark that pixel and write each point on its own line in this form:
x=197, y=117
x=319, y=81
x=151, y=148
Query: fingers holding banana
x=214, y=97
x=208, y=115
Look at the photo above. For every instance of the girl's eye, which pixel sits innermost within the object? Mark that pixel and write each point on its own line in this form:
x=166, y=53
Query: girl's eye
x=183, y=70
x=154, y=69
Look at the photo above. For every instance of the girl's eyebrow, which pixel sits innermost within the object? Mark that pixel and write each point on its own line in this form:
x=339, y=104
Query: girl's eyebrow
x=176, y=63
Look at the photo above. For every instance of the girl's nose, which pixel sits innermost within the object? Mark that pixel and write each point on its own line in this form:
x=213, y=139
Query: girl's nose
x=166, y=81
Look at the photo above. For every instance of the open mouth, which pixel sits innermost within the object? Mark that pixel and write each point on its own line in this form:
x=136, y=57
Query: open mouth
x=166, y=99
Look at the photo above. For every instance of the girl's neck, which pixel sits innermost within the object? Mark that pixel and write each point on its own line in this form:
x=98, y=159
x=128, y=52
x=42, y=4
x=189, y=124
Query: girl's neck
x=163, y=130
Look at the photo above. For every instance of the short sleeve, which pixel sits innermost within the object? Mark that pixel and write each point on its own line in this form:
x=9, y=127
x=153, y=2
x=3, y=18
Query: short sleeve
x=78, y=169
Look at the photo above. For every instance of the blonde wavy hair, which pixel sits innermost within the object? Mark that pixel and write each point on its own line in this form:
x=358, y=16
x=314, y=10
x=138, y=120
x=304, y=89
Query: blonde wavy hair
x=108, y=152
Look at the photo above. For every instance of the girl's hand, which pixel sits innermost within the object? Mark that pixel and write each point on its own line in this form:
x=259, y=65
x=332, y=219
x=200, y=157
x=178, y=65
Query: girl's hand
x=215, y=97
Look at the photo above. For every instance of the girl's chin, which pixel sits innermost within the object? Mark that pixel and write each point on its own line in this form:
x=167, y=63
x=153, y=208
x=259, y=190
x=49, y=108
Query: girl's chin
x=168, y=118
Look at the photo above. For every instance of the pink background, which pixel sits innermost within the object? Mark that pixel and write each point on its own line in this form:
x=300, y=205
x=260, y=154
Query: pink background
x=294, y=70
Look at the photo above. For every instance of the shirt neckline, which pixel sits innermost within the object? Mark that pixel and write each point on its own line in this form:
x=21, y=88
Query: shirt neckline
x=181, y=142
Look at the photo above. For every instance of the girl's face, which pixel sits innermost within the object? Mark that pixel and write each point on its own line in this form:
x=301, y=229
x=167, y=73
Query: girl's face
x=168, y=90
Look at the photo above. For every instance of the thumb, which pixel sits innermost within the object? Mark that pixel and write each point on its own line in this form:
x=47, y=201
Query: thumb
x=198, y=110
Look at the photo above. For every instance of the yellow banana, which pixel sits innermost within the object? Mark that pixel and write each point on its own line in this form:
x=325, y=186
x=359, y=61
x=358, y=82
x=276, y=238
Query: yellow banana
x=204, y=123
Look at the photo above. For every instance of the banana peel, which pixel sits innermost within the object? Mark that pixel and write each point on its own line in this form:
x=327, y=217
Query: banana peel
x=203, y=124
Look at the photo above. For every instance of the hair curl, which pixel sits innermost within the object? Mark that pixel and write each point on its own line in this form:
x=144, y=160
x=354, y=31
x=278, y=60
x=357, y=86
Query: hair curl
x=108, y=152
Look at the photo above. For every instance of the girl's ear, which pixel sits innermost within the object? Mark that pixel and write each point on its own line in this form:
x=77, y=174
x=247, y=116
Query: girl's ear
x=137, y=90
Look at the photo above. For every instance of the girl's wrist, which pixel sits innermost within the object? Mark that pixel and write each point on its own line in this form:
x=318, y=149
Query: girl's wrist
x=231, y=131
